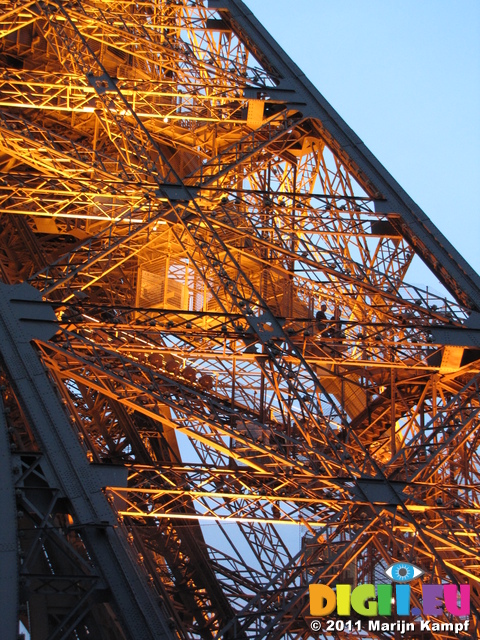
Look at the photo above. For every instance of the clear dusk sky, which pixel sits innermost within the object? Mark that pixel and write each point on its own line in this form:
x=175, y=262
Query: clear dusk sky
x=405, y=75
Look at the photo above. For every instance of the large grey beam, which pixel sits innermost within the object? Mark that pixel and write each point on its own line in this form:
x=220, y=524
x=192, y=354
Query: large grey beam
x=8, y=538
x=295, y=88
x=133, y=598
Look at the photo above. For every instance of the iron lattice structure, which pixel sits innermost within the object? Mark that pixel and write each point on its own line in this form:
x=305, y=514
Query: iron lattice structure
x=185, y=445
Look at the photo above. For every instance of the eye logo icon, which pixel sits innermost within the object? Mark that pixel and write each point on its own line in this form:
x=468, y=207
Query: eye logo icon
x=403, y=572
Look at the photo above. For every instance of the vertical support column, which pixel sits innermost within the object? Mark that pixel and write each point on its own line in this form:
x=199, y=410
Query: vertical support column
x=22, y=317
x=8, y=541
x=393, y=446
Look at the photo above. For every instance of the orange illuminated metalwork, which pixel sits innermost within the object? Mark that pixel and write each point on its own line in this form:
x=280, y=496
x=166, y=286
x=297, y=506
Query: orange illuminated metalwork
x=235, y=345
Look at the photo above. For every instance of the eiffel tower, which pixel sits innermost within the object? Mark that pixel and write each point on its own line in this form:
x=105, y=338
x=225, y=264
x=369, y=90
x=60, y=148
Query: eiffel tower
x=217, y=384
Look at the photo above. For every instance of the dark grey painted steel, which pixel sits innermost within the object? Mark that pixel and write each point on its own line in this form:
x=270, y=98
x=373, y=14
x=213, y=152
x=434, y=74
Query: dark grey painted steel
x=133, y=598
x=456, y=337
x=295, y=88
x=8, y=538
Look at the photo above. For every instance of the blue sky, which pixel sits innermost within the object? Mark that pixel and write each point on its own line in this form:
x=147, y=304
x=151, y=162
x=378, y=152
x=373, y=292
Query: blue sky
x=405, y=75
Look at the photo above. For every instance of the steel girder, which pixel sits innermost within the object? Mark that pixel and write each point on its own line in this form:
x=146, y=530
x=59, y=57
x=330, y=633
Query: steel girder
x=185, y=200
x=67, y=478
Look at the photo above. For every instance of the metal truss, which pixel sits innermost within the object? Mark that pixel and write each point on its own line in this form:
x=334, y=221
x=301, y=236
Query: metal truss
x=218, y=385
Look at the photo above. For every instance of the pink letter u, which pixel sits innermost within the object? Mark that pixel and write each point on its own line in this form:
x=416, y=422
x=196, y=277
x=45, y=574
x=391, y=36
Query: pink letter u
x=450, y=595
